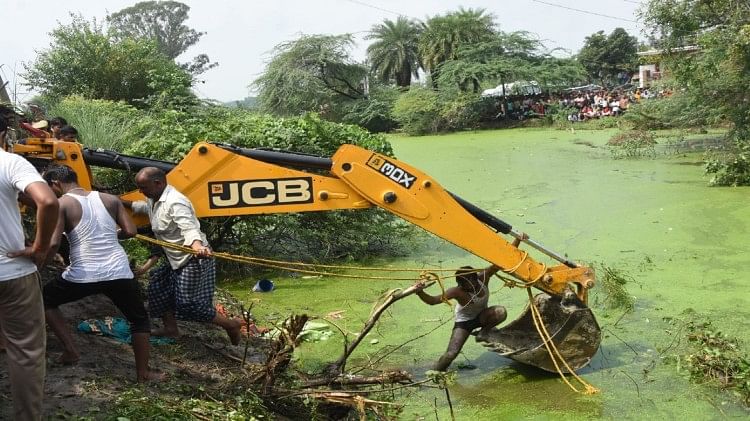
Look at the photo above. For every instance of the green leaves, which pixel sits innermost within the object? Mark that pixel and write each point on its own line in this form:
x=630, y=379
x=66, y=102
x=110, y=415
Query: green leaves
x=84, y=60
x=313, y=73
x=606, y=56
x=717, y=74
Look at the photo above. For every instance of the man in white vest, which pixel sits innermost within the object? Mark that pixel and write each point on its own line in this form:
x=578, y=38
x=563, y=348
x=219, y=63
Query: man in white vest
x=98, y=265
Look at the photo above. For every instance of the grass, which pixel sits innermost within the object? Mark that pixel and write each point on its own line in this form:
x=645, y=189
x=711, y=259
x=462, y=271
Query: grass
x=100, y=124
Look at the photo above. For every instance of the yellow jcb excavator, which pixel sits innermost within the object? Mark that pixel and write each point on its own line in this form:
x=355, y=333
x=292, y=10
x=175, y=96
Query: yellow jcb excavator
x=226, y=180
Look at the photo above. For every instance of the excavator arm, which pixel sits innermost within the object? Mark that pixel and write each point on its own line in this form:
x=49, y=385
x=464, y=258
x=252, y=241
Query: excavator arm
x=222, y=180
x=226, y=180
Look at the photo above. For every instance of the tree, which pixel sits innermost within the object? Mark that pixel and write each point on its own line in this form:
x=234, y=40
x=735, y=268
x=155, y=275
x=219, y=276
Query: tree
x=487, y=61
x=717, y=74
x=554, y=73
x=84, y=60
x=164, y=23
x=507, y=57
x=444, y=35
x=395, y=53
x=606, y=56
x=312, y=73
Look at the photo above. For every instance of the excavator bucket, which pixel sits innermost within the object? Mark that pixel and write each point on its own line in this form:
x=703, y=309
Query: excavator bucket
x=570, y=324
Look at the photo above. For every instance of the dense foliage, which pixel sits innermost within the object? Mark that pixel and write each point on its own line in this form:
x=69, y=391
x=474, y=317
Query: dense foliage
x=607, y=57
x=461, y=53
x=717, y=74
x=168, y=134
x=422, y=110
x=84, y=60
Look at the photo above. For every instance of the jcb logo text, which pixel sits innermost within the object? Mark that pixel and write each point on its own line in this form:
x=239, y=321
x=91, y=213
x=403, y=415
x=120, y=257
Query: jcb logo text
x=245, y=193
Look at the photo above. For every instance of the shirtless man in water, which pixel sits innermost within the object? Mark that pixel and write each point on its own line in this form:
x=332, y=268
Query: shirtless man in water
x=98, y=265
x=472, y=295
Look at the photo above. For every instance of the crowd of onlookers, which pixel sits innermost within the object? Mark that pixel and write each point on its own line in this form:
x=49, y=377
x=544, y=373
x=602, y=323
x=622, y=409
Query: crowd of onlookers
x=603, y=103
x=584, y=105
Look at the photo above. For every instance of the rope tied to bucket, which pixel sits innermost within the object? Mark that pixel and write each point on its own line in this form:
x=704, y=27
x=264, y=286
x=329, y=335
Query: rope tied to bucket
x=424, y=276
x=554, y=353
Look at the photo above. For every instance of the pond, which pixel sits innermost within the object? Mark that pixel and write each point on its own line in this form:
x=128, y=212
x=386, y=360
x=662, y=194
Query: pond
x=683, y=243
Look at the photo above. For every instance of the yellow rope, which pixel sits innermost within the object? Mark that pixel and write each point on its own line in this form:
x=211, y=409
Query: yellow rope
x=295, y=266
x=424, y=275
x=266, y=262
x=515, y=268
x=553, y=352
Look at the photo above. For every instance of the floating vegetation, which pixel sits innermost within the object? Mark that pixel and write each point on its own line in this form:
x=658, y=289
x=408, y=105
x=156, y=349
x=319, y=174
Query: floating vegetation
x=716, y=359
x=611, y=291
x=632, y=144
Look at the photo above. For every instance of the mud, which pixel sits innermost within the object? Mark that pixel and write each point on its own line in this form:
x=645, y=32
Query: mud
x=107, y=367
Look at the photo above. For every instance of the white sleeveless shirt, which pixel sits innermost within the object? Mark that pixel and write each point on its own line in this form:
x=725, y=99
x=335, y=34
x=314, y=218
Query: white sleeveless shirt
x=476, y=304
x=95, y=253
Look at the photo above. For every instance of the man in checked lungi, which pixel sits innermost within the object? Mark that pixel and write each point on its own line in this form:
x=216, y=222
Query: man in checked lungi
x=182, y=288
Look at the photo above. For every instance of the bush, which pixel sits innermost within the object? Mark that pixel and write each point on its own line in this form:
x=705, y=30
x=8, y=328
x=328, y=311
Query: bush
x=422, y=111
x=632, y=144
x=460, y=111
x=731, y=166
x=373, y=113
x=101, y=123
x=173, y=133
x=599, y=123
x=416, y=111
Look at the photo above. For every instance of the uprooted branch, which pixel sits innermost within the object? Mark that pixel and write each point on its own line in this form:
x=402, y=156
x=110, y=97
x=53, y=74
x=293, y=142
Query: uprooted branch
x=391, y=297
x=280, y=354
x=401, y=377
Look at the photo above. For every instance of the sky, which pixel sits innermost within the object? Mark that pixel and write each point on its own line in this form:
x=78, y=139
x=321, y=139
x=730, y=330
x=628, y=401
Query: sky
x=241, y=35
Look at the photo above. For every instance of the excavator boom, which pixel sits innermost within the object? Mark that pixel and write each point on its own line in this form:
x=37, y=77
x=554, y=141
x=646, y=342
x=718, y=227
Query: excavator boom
x=226, y=180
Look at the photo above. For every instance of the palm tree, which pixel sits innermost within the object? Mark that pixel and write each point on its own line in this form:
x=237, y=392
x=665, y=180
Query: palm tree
x=444, y=35
x=395, y=52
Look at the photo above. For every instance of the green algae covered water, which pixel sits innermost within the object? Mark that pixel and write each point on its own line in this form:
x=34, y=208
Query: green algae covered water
x=683, y=243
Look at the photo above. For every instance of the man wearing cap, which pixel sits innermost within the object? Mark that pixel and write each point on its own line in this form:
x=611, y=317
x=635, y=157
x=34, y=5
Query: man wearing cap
x=21, y=310
x=182, y=287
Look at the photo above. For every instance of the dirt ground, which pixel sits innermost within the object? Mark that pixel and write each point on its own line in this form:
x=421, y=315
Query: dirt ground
x=201, y=357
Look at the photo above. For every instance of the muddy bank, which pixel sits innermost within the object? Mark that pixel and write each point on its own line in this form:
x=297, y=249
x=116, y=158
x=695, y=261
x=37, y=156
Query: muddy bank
x=201, y=359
